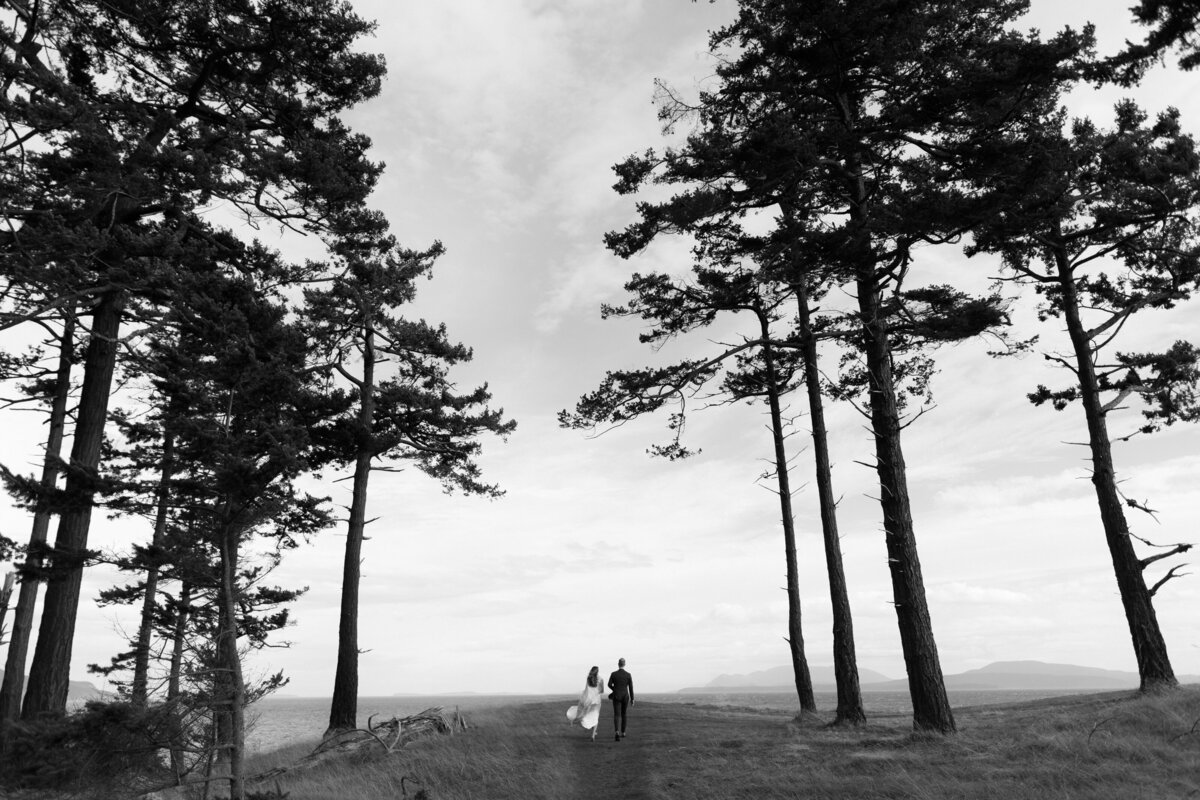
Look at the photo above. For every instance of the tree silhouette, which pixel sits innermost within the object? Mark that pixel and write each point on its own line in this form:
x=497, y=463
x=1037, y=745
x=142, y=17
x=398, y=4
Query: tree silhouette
x=407, y=408
x=1103, y=224
x=755, y=369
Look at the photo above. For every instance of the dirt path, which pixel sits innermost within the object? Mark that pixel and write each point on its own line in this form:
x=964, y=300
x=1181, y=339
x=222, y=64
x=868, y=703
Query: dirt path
x=609, y=769
x=647, y=762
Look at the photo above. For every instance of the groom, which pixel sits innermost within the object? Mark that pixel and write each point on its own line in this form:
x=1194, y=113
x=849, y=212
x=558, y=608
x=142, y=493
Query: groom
x=621, y=683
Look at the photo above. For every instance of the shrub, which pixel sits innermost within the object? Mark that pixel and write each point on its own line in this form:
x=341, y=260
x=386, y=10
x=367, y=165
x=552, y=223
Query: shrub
x=103, y=744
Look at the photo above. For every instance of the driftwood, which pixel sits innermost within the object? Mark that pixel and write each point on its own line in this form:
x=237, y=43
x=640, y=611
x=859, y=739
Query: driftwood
x=390, y=735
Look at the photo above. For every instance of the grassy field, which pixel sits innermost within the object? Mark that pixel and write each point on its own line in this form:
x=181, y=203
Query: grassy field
x=1117, y=746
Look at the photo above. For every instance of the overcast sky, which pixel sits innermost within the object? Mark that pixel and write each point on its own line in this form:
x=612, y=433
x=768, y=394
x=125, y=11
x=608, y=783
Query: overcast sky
x=499, y=123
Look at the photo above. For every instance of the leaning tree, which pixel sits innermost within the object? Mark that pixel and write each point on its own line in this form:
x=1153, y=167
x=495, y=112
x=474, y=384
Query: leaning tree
x=54, y=388
x=1105, y=224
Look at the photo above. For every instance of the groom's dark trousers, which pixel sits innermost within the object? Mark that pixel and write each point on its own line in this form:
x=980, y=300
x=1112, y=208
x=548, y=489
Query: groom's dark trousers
x=621, y=683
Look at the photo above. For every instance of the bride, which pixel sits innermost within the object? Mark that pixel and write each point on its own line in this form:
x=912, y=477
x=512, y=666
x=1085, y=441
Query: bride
x=587, y=712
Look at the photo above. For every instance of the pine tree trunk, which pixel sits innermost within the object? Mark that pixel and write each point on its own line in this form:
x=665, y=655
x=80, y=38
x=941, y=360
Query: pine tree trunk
x=49, y=672
x=845, y=663
x=1154, y=665
x=926, y=686
x=5, y=595
x=178, y=641
x=141, y=655
x=13, y=684
x=230, y=666
x=804, y=688
x=178, y=759
x=931, y=706
x=343, y=709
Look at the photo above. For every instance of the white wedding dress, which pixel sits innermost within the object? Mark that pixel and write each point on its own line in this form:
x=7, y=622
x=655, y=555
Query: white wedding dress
x=587, y=711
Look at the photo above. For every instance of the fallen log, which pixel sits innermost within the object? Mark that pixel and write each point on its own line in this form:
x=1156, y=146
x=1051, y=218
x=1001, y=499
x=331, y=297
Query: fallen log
x=391, y=735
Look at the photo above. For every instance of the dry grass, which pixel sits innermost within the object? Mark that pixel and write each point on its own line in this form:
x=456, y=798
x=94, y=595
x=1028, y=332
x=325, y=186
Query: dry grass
x=1116, y=746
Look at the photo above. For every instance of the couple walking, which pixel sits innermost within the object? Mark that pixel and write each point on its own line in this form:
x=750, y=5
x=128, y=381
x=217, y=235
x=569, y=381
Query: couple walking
x=587, y=712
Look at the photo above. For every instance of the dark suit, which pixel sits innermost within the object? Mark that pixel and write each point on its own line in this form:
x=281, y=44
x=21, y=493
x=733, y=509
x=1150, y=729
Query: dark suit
x=621, y=683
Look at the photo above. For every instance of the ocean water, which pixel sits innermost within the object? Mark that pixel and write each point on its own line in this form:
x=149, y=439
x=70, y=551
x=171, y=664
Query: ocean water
x=276, y=722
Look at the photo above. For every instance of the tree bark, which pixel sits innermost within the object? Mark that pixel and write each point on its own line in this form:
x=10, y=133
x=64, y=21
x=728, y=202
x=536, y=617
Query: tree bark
x=178, y=641
x=795, y=639
x=343, y=709
x=141, y=655
x=49, y=672
x=178, y=765
x=13, y=684
x=926, y=686
x=845, y=663
x=931, y=707
x=1154, y=665
x=5, y=594
x=230, y=666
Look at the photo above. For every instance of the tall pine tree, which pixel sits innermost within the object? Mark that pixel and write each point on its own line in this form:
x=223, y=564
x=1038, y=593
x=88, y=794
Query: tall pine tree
x=406, y=406
x=1104, y=224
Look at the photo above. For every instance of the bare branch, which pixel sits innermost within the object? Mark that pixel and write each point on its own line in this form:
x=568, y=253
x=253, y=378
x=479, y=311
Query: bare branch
x=1174, y=551
x=1097, y=727
x=918, y=415
x=1195, y=729
x=1145, y=508
x=1173, y=573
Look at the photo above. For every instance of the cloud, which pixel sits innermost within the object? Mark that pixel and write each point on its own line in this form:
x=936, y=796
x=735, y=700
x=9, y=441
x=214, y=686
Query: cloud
x=500, y=122
x=961, y=592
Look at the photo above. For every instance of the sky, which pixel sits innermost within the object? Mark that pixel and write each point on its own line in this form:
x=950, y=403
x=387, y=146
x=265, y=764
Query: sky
x=499, y=123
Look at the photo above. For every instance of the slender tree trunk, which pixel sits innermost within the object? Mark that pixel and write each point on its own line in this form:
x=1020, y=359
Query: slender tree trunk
x=5, y=595
x=931, y=706
x=213, y=763
x=233, y=699
x=13, y=684
x=926, y=686
x=795, y=639
x=49, y=672
x=141, y=655
x=845, y=663
x=178, y=641
x=343, y=709
x=1154, y=665
x=178, y=760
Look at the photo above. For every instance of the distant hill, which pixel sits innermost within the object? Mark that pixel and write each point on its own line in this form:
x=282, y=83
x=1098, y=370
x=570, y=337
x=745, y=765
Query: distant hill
x=1039, y=675
x=1005, y=675
x=77, y=691
x=781, y=678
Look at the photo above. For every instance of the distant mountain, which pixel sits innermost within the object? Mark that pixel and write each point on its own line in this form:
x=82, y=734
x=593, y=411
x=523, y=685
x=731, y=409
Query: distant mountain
x=1001, y=675
x=77, y=691
x=1039, y=675
x=781, y=677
